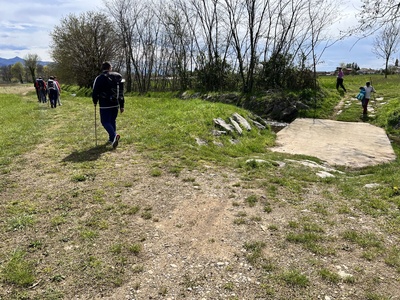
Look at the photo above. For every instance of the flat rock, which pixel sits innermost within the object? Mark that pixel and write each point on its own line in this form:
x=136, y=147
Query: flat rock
x=349, y=144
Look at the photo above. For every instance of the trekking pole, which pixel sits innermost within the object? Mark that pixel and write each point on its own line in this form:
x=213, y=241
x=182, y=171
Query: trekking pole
x=95, y=124
x=373, y=94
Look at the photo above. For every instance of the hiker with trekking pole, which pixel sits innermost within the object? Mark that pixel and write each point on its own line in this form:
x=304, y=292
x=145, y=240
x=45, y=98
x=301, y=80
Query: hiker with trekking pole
x=108, y=91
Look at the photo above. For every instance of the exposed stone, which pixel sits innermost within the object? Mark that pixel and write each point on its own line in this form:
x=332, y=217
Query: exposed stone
x=242, y=121
x=236, y=126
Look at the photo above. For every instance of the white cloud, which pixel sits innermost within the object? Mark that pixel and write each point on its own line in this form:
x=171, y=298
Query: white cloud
x=25, y=26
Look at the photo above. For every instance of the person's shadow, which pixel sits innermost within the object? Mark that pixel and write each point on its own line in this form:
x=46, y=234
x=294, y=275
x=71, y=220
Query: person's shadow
x=86, y=155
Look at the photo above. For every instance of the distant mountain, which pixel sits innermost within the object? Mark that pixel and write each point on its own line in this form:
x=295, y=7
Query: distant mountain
x=11, y=61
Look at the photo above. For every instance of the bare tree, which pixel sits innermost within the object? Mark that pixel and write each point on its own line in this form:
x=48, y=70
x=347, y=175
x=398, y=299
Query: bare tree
x=31, y=61
x=175, y=59
x=211, y=42
x=377, y=13
x=6, y=73
x=320, y=14
x=385, y=45
x=125, y=14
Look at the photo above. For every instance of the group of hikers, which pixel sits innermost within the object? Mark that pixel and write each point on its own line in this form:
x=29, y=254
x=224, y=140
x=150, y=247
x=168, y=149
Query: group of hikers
x=108, y=92
x=48, y=90
x=365, y=91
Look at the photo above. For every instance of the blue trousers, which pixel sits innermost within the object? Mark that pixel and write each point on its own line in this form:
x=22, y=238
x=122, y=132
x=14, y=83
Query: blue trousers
x=53, y=94
x=108, y=117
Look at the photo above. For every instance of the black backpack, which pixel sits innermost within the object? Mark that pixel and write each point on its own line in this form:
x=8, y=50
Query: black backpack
x=50, y=85
x=116, y=85
x=40, y=83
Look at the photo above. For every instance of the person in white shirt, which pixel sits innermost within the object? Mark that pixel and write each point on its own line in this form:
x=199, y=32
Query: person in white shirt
x=52, y=90
x=369, y=89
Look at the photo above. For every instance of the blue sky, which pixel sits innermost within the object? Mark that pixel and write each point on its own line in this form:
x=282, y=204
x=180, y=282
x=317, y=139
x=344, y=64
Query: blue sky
x=25, y=26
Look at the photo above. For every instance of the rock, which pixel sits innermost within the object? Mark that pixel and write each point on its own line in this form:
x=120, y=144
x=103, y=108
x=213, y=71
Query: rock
x=258, y=161
x=229, y=98
x=224, y=125
x=258, y=125
x=236, y=126
x=371, y=185
x=201, y=142
x=218, y=132
x=242, y=121
x=324, y=174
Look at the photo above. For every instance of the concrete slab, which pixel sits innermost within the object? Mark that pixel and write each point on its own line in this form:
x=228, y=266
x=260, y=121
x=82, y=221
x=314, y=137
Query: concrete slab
x=349, y=144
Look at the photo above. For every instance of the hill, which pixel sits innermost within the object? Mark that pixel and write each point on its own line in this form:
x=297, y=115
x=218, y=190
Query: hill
x=11, y=61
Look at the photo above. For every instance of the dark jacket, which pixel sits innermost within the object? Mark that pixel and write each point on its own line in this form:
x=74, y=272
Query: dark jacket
x=105, y=91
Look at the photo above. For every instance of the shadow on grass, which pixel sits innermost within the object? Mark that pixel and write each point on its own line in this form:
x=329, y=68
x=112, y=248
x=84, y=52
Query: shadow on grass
x=87, y=155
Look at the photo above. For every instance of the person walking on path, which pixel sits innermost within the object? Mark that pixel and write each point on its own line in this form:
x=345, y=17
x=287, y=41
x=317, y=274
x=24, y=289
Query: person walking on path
x=41, y=89
x=52, y=90
x=59, y=91
x=339, y=80
x=108, y=92
x=369, y=89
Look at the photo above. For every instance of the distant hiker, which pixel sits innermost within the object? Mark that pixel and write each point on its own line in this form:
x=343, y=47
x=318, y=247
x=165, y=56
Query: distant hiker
x=339, y=80
x=40, y=86
x=52, y=90
x=108, y=91
x=369, y=89
x=59, y=91
x=37, y=89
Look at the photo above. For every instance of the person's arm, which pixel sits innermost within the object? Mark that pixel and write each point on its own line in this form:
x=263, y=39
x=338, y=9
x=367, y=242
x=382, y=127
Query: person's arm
x=121, y=102
x=95, y=93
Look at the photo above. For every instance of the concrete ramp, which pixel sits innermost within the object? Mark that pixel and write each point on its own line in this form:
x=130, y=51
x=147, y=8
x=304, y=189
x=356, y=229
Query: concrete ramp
x=354, y=145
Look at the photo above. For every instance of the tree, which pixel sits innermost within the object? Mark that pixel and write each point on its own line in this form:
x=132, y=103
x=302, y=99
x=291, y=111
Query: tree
x=210, y=41
x=31, y=61
x=386, y=43
x=125, y=13
x=378, y=13
x=18, y=71
x=177, y=47
x=6, y=73
x=81, y=44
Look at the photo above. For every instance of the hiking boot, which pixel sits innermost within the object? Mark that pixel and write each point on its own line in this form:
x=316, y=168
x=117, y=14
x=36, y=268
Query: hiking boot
x=115, y=142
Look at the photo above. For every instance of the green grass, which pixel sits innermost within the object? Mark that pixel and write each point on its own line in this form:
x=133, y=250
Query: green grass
x=22, y=126
x=298, y=227
x=17, y=270
x=295, y=278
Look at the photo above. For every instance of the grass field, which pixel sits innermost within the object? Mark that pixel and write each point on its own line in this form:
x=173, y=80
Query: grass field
x=162, y=217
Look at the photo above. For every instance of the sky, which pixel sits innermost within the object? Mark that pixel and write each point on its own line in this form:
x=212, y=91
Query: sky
x=25, y=28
